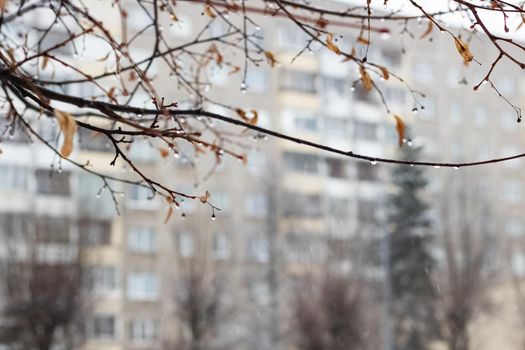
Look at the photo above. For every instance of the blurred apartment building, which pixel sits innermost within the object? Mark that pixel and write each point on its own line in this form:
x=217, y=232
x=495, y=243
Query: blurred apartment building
x=283, y=213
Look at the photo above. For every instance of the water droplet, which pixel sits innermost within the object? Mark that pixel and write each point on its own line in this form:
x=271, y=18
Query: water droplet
x=456, y=167
x=412, y=164
x=437, y=166
x=352, y=88
x=122, y=194
x=414, y=110
x=98, y=195
x=373, y=162
x=385, y=36
x=257, y=28
x=213, y=217
x=409, y=142
x=244, y=88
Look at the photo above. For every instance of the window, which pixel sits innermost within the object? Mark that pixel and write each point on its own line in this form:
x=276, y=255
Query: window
x=93, y=141
x=423, y=71
x=52, y=229
x=186, y=244
x=221, y=246
x=142, y=239
x=508, y=120
x=143, y=286
x=257, y=80
x=455, y=111
x=334, y=86
x=366, y=171
x=307, y=163
x=143, y=330
x=257, y=162
x=142, y=151
x=298, y=81
x=480, y=116
x=305, y=122
x=259, y=292
x=336, y=167
x=53, y=182
x=518, y=264
x=258, y=248
x=291, y=37
x=102, y=278
x=365, y=131
x=512, y=191
x=428, y=109
x=395, y=95
x=141, y=196
x=15, y=225
x=13, y=177
x=302, y=205
x=58, y=40
x=222, y=200
x=95, y=233
x=366, y=211
x=338, y=207
x=338, y=126
x=256, y=205
x=514, y=227
x=102, y=327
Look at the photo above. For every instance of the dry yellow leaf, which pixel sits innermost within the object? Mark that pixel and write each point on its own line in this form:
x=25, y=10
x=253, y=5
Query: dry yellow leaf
x=68, y=125
x=164, y=153
x=428, y=31
x=330, y=44
x=365, y=78
x=400, y=128
x=209, y=11
x=170, y=201
x=205, y=198
x=464, y=51
x=45, y=61
x=270, y=58
x=384, y=71
x=362, y=40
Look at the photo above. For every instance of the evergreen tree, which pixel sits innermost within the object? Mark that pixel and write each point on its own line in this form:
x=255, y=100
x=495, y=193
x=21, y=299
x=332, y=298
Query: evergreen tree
x=413, y=294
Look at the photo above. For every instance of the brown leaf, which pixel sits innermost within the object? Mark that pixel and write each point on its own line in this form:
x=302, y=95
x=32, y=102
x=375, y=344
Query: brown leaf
x=365, y=78
x=384, y=71
x=363, y=40
x=170, y=209
x=428, y=31
x=321, y=22
x=111, y=93
x=253, y=120
x=164, y=152
x=209, y=11
x=235, y=69
x=45, y=61
x=464, y=50
x=400, y=128
x=330, y=44
x=2, y=4
x=68, y=125
x=102, y=59
x=270, y=58
x=205, y=198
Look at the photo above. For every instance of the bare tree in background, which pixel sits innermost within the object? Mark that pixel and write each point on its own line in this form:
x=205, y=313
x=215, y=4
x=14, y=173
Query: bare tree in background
x=42, y=298
x=327, y=313
x=467, y=243
x=202, y=311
